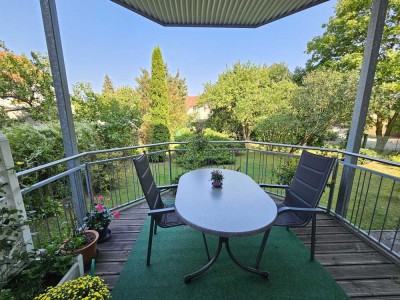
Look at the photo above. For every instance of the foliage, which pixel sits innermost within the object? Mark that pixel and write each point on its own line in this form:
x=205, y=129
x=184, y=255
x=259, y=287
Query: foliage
x=158, y=89
x=12, y=247
x=108, y=87
x=86, y=287
x=43, y=144
x=177, y=92
x=341, y=47
x=28, y=83
x=199, y=151
x=217, y=175
x=99, y=216
x=285, y=172
x=324, y=99
x=246, y=93
x=160, y=134
x=114, y=115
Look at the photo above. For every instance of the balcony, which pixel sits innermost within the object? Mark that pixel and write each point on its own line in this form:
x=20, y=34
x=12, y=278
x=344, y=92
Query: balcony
x=359, y=247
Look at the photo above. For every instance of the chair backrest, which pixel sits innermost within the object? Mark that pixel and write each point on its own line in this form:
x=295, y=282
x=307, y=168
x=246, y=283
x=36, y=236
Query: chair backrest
x=309, y=182
x=146, y=179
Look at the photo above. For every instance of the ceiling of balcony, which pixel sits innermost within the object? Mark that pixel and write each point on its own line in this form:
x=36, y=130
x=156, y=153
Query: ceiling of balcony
x=216, y=13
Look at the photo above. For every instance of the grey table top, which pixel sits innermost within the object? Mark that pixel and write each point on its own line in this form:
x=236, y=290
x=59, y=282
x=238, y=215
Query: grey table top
x=239, y=208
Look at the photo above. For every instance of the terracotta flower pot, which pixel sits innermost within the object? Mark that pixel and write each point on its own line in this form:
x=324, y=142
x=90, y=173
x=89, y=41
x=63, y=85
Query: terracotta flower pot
x=89, y=251
x=217, y=183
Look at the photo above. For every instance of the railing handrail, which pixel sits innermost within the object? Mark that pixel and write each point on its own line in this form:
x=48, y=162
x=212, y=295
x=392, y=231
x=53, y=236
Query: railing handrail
x=84, y=154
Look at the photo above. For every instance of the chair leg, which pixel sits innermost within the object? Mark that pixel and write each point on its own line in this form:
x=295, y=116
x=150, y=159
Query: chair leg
x=287, y=228
x=313, y=229
x=150, y=241
x=155, y=228
x=206, y=245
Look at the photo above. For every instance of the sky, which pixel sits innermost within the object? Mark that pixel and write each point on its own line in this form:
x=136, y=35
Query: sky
x=100, y=37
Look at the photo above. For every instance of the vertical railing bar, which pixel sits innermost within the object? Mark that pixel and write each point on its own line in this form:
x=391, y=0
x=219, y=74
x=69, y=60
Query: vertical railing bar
x=355, y=197
x=365, y=199
x=119, y=199
x=259, y=168
x=110, y=183
x=387, y=210
x=332, y=187
x=46, y=218
x=247, y=161
x=395, y=235
x=170, y=165
x=126, y=184
x=57, y=221
x=360, y=197
x=89, y=184
x=376, y=202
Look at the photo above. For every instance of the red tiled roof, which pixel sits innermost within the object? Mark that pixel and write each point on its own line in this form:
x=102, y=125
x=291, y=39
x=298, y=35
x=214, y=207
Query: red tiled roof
x=191, y=101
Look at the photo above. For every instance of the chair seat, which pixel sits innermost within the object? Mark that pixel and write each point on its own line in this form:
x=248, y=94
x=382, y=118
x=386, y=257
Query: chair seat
x=290, y=219
x=170, y=219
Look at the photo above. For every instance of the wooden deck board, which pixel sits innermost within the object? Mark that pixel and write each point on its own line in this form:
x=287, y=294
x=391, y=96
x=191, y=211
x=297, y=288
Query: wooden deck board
x=358, y=268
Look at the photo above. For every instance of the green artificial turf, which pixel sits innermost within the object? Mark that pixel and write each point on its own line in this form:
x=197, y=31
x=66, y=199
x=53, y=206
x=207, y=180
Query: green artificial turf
x=180, y=250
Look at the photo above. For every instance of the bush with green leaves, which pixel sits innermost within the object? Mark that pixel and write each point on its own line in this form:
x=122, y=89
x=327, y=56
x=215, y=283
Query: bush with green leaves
x=199, y=152
x=43, y=144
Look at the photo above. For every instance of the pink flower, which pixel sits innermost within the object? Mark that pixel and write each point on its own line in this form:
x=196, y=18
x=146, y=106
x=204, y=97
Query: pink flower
x=116, y=214
x=99, y=207
x=100, y=198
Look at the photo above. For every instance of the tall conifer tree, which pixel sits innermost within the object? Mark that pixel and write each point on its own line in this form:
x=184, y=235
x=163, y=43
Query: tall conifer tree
x=159, y=117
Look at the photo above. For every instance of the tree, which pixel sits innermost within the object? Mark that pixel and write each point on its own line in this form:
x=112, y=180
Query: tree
x=341, y=47
x=247, y=93
x=177, y=92
x=108, y=87
x=116, y=115
x=143, y=90
x=159, y=108
x=324, y=100
x=28, y=82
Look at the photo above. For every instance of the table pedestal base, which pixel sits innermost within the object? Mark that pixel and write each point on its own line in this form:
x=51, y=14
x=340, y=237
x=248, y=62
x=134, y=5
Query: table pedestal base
x=225, y=240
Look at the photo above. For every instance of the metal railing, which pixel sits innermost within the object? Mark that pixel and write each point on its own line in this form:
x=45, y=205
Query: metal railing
x=373, y=207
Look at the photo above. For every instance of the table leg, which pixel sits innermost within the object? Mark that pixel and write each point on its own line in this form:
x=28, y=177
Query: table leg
x=225, y=240
x=189, y=277
x=262, y=247
x=242, y=265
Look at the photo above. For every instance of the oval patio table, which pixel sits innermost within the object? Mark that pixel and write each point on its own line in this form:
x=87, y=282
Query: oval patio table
x=240, y=208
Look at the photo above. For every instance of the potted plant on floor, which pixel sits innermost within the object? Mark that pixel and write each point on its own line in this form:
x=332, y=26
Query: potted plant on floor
x=99, y=218
x=82, y=242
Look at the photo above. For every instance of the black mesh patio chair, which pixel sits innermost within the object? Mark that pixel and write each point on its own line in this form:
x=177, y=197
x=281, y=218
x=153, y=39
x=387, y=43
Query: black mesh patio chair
x=304, y=192
x=161, y=214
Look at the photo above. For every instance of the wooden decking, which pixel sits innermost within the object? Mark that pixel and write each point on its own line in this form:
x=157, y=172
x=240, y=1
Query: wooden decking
x=358, y=268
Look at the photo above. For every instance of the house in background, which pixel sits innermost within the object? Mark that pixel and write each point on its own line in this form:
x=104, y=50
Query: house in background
x=195, y=112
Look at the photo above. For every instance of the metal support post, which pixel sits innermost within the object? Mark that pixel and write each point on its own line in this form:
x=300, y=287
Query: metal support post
x=54, y=47
x=370, y=59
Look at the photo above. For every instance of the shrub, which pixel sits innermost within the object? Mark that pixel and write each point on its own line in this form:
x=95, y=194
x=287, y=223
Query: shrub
x=199, y=151
x=86, y=287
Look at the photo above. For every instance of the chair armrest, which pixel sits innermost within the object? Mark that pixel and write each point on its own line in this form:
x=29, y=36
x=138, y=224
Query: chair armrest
x=166, y=187
x=286, y=209
x=161, y=211
x=275, y=186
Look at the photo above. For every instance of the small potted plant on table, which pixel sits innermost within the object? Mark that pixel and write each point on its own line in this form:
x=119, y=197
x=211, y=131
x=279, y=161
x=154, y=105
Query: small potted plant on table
x=99, y=218
x=216, y=178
